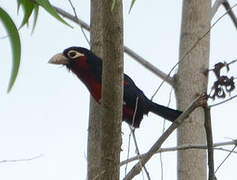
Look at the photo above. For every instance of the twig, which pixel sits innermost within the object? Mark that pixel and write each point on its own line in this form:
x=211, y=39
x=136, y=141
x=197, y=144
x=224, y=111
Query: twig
x=163, y=130
x=228, y=8
x=21, y=160
x=185, y=147
x=136, y=169
x=215, y=7
x=138, y=152
x=71, y=17
x=213, y=105
x=149, y=66
x=225, y=159
x=129, y=140
x=82, y=30
x=132, y=130
x=135, y=111
x=232, y=62
x=208, y=128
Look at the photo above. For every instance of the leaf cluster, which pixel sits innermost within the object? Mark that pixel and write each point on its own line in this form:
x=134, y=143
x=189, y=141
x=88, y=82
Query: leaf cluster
x=29, y=7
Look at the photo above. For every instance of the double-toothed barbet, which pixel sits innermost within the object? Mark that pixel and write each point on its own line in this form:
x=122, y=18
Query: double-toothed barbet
x=88, y=68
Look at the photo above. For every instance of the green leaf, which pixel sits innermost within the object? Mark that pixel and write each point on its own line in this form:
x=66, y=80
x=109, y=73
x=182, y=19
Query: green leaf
x=47, y=6
x=113, y=4
x=15, y=44
x=132, y=4
x=36, y=13
x=28, y=8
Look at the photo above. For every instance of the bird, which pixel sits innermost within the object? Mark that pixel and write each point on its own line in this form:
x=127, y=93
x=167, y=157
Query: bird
x=88, y=68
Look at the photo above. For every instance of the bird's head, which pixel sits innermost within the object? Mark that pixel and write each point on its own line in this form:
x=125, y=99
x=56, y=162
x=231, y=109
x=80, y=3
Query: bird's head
x=70, y=56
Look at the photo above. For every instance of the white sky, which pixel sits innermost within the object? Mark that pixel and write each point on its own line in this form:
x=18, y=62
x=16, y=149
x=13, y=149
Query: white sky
x=47, y=110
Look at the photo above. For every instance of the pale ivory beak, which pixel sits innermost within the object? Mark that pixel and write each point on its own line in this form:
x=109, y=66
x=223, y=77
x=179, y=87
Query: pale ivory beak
x=59, y=59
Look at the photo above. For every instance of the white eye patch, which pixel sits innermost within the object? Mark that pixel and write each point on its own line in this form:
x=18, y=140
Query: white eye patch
x=74, y=54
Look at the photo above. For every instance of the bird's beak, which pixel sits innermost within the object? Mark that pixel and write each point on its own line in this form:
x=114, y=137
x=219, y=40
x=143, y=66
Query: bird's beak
x=59, y=59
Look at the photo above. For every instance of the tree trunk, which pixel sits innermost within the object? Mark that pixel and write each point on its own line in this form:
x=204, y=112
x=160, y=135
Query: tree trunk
x=104, y=141
x=94, y=130
x=190, y=82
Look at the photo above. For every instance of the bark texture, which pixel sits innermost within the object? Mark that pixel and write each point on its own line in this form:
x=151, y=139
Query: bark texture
x=190, y=81
x=94, y=170
x=94, y=143
x=105, y=139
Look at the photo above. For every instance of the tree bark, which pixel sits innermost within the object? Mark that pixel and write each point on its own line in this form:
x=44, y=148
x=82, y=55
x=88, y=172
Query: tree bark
x=94, y=170
x=190, y=81
x=107, y=43
x=94, y=143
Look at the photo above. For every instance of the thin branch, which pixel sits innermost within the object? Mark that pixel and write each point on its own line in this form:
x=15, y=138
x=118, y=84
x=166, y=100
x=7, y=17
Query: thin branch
x=135, y=111
x=75, y=14
x=163, y=130
x=138, y=152
x=132, y=130
x=129, y=140
x=21, y=160
x=149, y=66
x=228, y=8
x=232, y=62
x=186, y=147
x=225, y=158
x=72, y=18
x=209, y=137
x=213, y=105
x=215, y=7
x=137, y=168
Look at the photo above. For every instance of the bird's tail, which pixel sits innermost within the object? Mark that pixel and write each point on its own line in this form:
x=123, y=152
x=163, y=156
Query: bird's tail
x=165, y=112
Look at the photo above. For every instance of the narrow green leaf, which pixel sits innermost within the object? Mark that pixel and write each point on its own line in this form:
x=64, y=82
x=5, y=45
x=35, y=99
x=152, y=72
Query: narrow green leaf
x=36, y=12
x=28, y=8
x=113, y=4
x=47, y=6
x=15, y=44
x=132, y=4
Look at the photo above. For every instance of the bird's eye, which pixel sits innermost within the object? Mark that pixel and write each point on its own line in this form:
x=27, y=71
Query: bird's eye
x=74, y=54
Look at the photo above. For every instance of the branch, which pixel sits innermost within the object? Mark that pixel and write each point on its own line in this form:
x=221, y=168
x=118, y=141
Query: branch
x=230, y=12
x=138, y=152
x=127, y=50
x=228, y=8
x=185, y=147
x=20, y=160
x=149, y=66
x=75, y=14
x=215, y=7
x=225, y=158
x=209, y=138
x=137, y=168
x=132, y=130
x=213, y=105
x=72, y=18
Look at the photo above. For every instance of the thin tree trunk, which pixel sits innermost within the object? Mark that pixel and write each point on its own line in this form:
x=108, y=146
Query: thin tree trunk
x=107, y=42
x=191, y=81
x=94, y=170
